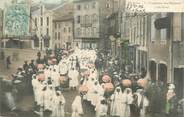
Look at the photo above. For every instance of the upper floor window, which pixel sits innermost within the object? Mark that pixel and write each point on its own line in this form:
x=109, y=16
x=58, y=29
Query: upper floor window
x=36, y=22
x=41, y=21
x=58, y=35
x=47, y=31
x=55, y=35
x=94, y=5
x=108, y=5
x=78, y=19
x=87, y=19
x=47, y=21
x=78, y=7
x=55, y=25
x=69, y=29
x=94, y=18
x=78, y=31
x=153, y=29
x=59, y=25
x=86, y=6
x=64, y=29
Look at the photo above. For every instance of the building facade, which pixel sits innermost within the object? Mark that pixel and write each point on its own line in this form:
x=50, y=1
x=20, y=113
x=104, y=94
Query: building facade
x=63, y=32
x=86, y=23
x=42, y=27
x=63, y=26
x=90, y=29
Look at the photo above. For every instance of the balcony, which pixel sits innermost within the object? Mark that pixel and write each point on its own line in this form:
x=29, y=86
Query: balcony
x=86, y=24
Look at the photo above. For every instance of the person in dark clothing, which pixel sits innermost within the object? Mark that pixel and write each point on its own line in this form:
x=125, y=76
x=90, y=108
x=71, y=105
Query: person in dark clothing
x=2, y=55
x=32, y=66
x=135, y=110
x=8, y=62
x=25, y=66
x=39, y=54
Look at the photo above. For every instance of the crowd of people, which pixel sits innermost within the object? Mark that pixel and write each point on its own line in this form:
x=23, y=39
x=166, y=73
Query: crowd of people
x=99, y=82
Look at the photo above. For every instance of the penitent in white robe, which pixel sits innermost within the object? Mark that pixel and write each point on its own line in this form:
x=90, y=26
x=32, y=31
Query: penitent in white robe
x=116, y=104
x=58, y=105
x=127, y=99
x=101, y=110
x=48, y=99
x=73, y=75
x=35, y=84
x=55, y=79
x=77, y=109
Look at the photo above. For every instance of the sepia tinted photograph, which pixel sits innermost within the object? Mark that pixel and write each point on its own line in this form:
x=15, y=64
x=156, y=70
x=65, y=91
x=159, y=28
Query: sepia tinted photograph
x=91, y=58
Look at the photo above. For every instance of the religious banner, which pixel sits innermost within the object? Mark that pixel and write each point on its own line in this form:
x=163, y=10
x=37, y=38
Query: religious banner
x=154, y=6
x=16, y=20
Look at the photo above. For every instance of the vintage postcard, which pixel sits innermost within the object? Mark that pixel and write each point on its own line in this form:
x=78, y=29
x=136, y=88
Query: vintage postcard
x=91, y=58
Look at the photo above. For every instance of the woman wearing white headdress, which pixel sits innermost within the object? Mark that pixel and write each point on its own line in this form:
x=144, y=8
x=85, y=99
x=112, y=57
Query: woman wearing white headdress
x=116, y=103
x=77, y=110
x=58, y=104
x=127, y=99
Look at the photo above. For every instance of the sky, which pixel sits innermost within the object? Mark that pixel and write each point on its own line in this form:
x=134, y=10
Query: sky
x=2, y=2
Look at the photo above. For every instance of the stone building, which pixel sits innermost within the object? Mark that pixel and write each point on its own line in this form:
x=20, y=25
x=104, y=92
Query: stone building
x=165, y=50
x=138, y=36
x=89, y=18
x=63, y=26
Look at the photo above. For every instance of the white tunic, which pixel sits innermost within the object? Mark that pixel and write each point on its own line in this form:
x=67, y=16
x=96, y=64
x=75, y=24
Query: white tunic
x=127, y=99
x=116, y=104
x=58, y=105
x=73, y=75
x=77, y=109
x=35, y=84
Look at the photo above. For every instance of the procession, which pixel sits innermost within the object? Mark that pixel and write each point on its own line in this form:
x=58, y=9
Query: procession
x=91, y=58
x=105, y=88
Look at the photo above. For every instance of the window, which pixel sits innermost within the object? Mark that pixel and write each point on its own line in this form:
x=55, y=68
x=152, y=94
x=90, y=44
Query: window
x=93, y=31
x=47, y=21
x=88, y=31
x=59, y=26
x=153, y=29
x=87, y=19
x=108, y=5
x=94, y=5
x=78, y=32
x=36, y=22
x=41, y=21
x=55, y=35
x=86, y=7
x=64, y=29
x=47, y=31
x=69, y=29
x=163, y=32
x=78, y=7
x=78, y=19
x=94, y=18
x=55, y=25
x=58, y=35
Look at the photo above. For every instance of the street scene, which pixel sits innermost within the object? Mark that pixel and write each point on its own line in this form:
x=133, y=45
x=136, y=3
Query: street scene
x=91, y=58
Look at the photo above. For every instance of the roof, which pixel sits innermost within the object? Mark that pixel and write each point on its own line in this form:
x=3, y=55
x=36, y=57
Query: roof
x=76, y=1
x=46, y=5
x=63, y=13
x=68, y=17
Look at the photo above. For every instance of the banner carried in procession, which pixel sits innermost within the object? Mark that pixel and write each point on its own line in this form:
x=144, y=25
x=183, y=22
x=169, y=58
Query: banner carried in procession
x=149, y=6
x=16, y=20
